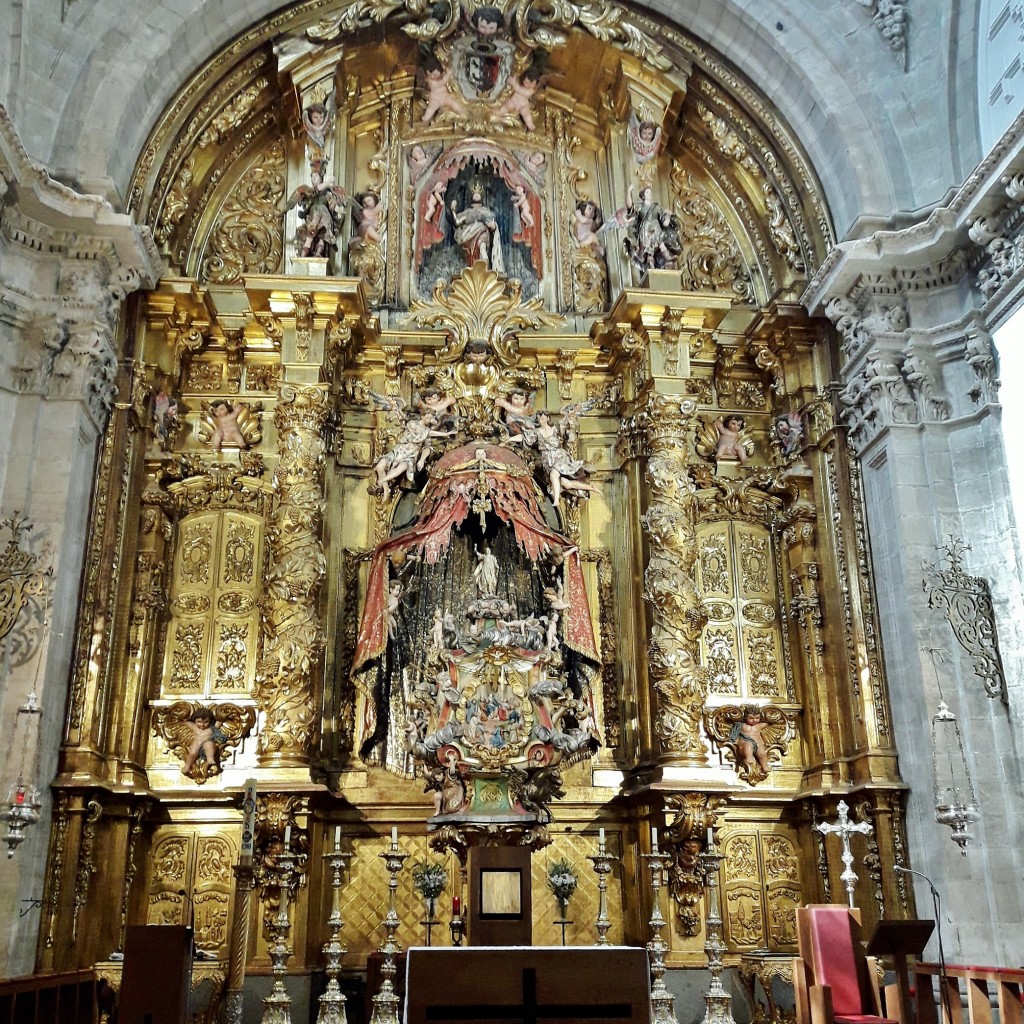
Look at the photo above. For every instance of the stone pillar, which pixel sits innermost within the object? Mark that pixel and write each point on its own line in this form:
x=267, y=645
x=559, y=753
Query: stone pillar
x=66, y=262
x=918, y=398
x=293, y=634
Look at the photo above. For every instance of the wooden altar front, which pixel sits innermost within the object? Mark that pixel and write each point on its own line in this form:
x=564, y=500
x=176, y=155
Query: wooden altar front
x=535, y=984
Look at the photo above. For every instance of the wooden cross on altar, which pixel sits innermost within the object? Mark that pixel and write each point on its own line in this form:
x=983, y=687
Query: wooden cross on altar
x=844, y=828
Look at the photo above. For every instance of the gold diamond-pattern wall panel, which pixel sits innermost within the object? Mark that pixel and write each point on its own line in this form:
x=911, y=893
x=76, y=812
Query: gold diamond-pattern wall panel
x=741, y=643
x=213, y=632
x=364, y=895
x=583, y=907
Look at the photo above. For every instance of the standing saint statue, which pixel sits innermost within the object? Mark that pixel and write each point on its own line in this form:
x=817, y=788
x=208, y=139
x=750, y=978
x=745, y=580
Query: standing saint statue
x=485, y=572
x=476, y=230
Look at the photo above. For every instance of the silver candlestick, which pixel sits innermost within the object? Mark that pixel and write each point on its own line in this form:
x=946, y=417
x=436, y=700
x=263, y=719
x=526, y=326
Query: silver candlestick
x=332, y=1002
x=278, y=1005
x=717, y=1000
x=385, y=1002
x=602, y=861
x=663, y=1004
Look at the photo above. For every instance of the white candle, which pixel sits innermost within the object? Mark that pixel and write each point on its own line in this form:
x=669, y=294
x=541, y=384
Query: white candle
x=600, y=839
x=711, y=838
x=654, y=840
x=394, y=837
x=287, y=836
x=337, y=838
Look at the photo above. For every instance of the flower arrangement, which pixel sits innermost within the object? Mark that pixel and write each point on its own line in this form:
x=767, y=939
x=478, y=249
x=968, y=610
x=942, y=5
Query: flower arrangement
x=430, y=880
x=561, y=880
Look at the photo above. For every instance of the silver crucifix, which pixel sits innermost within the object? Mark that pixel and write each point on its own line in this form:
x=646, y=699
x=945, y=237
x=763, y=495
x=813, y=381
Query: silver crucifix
x=844, y=828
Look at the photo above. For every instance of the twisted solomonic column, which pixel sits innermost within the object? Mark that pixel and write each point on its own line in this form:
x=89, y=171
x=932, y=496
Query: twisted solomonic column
x=677, y=677
x=293, y=634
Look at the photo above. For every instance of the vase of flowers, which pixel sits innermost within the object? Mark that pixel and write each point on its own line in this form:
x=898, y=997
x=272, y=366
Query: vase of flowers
x=430, y=881
x=562, y=883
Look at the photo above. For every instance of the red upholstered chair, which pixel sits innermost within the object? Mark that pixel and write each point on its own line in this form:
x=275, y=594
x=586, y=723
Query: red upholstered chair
x=834, y=982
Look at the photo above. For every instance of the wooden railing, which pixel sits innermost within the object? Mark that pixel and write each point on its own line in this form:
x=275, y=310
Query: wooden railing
x=78, y=997
x=979, y=984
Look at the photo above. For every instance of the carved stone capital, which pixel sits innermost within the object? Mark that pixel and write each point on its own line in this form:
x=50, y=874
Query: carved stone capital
x=876, y=397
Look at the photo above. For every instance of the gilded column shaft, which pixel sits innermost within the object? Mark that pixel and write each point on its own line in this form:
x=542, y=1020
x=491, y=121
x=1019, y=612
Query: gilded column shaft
x=677, y=677
x=293, y=634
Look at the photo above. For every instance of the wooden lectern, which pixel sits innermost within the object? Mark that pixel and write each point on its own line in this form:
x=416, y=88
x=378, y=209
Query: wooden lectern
x=900, y=939
x=157, y=975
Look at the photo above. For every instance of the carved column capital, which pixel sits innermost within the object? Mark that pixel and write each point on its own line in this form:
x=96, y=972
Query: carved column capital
x=303, y=408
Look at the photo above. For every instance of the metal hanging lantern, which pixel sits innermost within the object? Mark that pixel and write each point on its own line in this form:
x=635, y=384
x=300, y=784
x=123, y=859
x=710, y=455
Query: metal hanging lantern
x=956, y=804
x=23, y=805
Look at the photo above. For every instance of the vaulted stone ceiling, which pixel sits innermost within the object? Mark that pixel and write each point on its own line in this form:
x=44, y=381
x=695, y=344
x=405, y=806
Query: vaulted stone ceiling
x=85, y=84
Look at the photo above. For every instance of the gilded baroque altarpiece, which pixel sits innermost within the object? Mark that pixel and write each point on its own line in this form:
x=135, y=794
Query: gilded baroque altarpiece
x=475, y=473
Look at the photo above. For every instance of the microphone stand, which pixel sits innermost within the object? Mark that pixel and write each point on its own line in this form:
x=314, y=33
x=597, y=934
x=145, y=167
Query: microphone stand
x=937, y=907
x=191, y=923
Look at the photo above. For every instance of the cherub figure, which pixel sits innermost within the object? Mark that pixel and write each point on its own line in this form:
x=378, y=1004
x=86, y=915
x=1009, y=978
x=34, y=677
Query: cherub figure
x=316, y=120
x=789, y=429
x=518, y=414
x=746, y=734
x=198, y=735
x=644, y=138
x=588, y=221
x=165, y=415
x=434, y=406
x=731, y=442
x=394, y=603
x=434, y=211
x=205, y=737
x=751, y=735
x=564, y=472
x=521, y=201
x=367, y=216
x=557, y=605
x=225, y=418
x=523, y=90
x=412, y=449
x=439, y=96
x=418, y=161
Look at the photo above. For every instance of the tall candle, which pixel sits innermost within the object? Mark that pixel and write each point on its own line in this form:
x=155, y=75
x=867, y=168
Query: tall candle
x=248, y=821
x=456, y=906
x=654, y=840
x=287, y=836
x=394, y=837
x=337, y=838
x=600, y=839
x=711, y=838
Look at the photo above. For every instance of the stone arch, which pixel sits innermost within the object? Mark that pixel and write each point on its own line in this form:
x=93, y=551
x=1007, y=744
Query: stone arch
x=852, y=136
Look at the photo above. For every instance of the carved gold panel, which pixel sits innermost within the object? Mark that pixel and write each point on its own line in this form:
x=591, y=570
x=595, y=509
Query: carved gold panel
x=742, y=642
x=200, y=864
x=761, y=889
x=214, y=627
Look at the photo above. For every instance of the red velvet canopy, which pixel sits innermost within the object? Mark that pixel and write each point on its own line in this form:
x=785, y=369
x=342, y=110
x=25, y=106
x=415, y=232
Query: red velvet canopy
x=458, y=478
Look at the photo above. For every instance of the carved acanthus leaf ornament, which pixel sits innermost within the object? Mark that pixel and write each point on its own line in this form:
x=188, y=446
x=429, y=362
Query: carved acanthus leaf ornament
x=482, y=305
x=248, y=237
x=535, y=22
x=711, y=259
